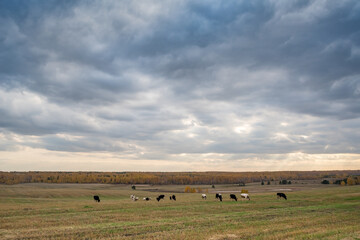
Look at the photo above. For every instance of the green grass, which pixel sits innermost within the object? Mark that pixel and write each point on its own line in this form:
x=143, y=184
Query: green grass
x=67, y=211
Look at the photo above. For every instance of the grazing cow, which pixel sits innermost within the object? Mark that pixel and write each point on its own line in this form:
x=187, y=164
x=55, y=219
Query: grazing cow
x=218, y=196
x=281, y=195
x=173, y=197
x=203, y=196
x=160, y=197
x=146, y=199
x=245, y=195
x=233, y=196
x=96, y=198
x=134, y=198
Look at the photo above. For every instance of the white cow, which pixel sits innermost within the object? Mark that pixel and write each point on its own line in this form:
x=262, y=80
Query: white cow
x=203, y=196
x=245, y=195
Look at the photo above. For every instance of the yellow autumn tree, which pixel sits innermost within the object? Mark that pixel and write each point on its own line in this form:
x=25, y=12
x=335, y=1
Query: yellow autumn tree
x=187, y=189
x=357, y=180
x=190, y=189
x=350, y=181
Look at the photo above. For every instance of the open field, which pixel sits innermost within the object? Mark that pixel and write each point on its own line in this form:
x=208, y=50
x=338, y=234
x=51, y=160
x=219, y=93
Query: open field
x=67, y=211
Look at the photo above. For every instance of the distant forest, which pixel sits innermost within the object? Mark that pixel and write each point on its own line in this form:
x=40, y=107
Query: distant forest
x=181, y=178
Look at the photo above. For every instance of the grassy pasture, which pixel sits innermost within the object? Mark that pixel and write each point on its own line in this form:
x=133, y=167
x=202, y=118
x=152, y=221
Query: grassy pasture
x=67, y=211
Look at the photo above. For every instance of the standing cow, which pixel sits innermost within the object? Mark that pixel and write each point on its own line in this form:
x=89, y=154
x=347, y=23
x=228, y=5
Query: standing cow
x=203, y=196
x=173, y=197
x=160, y=197
x=281, y=195
x=218, y=196
x=97, y=198
x=233, y=196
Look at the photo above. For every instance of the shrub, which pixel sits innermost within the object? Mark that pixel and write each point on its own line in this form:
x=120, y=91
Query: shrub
x=350, y=181
x=325, y=181
x=191, y=190
x=339, y=181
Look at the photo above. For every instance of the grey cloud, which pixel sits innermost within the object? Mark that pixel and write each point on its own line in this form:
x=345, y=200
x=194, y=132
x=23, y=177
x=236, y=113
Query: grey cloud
x=133, y=72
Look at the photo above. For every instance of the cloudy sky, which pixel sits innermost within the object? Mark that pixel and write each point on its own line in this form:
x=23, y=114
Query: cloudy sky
x=179, y=85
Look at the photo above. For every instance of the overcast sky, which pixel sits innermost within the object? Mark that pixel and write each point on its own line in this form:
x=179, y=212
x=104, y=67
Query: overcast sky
x=179, y=85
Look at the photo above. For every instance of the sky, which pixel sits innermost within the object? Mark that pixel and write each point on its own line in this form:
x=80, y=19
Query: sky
x=181, y=85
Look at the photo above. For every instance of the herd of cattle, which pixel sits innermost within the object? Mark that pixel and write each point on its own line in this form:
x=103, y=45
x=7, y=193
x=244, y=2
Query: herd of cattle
x=203, y=196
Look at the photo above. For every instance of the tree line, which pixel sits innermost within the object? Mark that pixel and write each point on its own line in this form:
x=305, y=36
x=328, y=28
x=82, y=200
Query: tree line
x=165, y=178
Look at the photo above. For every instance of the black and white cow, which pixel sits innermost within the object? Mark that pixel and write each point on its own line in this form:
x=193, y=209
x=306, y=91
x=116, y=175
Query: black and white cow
x=203, y=196
x=281, y=195
x=160, y=197
x=245, y=195
x=146, y=199
x=97, y=198
x=218, y=196
x=134, y=198
x=173, y=197
x=233, y=196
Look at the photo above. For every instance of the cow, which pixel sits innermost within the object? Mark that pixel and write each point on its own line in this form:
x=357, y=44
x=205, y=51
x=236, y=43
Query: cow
x=134, y=198
x=203, y=196
x=233, y=196
x=173, y=197
x=245, y=195
x=218, y=196
x=160, y=197
x=281, y=195
x=97, y=198
x=146, y=198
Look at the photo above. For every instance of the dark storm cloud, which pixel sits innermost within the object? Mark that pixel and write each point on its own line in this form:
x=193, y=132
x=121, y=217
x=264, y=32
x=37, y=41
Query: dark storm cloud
x=182, y=77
